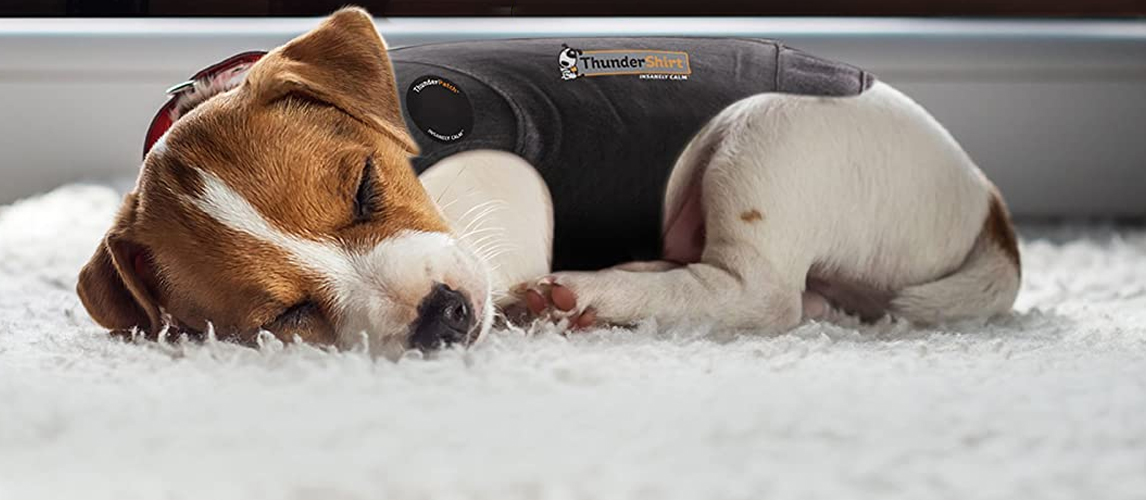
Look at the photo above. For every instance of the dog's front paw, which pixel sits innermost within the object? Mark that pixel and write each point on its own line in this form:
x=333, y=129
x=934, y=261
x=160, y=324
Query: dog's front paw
x=556, y=297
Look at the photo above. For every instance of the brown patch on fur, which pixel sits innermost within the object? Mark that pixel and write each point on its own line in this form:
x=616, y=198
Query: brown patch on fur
x=751, y=216
x=293, y=140
x=999, y=228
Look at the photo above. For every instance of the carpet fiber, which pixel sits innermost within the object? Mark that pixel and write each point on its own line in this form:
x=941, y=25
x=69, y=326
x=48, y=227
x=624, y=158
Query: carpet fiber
x=1049, y=403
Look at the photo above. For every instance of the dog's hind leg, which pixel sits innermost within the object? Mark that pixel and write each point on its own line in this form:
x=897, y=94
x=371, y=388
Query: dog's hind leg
x=985, y=285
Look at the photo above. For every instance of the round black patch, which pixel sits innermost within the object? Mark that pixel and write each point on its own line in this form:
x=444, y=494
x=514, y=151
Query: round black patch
x=439, y=108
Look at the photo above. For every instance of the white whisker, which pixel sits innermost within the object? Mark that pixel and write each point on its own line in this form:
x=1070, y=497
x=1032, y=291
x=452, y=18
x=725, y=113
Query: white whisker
x=480, y=218
x=479, y=206
x=495, y=246
x=484, y=239
x=479, y=231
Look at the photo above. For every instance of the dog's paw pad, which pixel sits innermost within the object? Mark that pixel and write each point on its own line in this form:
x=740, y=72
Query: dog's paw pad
x=536, y=302
x=563, y=298
x=586, y=319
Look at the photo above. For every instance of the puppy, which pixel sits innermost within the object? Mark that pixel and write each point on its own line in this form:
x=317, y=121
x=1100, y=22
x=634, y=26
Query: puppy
x=287, y=204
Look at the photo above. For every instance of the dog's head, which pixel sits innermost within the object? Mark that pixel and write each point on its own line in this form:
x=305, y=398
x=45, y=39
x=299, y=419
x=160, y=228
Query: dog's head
x=288, y=205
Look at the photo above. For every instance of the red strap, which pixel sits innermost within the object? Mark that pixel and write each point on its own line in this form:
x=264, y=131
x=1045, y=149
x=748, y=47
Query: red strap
x=229, y=68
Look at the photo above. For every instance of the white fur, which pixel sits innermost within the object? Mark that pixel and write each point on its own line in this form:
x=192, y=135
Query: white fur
x=230, y=208
x=375, y=291
x=834, y=179
x=869, y=188
x=160, y=145
x=499, y=206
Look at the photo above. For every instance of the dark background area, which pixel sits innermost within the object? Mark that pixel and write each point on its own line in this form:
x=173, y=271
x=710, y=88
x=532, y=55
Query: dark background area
x=978, y=8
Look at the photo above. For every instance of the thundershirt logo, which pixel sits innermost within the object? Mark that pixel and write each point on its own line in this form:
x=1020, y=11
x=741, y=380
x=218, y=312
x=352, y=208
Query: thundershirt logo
x=645, y=64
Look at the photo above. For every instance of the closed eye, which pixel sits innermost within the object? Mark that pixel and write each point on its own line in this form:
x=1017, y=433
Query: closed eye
x=367, y=198
x=293, y=316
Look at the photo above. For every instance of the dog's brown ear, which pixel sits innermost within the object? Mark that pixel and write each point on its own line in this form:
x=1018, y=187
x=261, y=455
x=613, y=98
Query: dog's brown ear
x=112, y=285
x=343, y=63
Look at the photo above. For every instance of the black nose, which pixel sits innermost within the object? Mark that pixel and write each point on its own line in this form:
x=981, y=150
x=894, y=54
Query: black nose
x=445, y=317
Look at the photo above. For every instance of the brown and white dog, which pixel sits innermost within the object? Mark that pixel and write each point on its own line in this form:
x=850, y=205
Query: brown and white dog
x=287, y=205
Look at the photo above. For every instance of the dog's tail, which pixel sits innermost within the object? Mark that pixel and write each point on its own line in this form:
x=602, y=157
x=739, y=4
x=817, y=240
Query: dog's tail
x=985, y=285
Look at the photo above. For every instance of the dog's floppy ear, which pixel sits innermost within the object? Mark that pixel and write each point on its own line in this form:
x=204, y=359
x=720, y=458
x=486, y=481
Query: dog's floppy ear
x=343, y=63
x=112, y=285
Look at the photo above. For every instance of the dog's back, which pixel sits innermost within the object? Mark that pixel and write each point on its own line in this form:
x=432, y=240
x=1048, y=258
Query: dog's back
x=605, y=144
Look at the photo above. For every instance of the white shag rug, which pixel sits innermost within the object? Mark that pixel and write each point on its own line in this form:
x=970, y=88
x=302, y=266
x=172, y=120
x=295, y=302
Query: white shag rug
x=1050, y=403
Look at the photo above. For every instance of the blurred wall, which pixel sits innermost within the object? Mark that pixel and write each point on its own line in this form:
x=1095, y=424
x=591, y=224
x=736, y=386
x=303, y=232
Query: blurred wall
x=1054, y=111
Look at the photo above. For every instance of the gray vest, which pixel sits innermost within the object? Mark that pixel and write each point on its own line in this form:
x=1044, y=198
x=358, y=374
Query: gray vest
x=601, y=119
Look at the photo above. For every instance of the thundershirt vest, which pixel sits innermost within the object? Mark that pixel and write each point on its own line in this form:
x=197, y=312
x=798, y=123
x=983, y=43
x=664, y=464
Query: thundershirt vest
x=601, y=119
